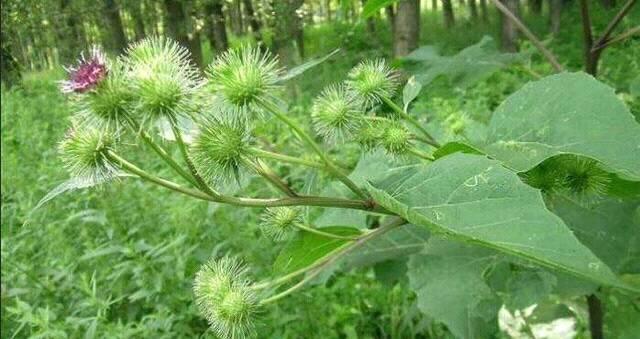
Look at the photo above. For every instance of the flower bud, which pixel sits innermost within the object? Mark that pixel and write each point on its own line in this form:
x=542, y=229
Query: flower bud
x=584, y=178
x=396, y=138
x=369, y=135
x=244, y=76
x=109, y=102
x=84, y=153
x=225, y=299
x=278, y=222
x=165, y=82
x=372, y=80
x=87, y=74
x=219, y=147
x=336, y=113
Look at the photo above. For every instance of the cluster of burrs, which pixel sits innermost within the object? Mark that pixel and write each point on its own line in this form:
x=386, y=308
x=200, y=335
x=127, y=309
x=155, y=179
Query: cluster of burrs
x=210, y=116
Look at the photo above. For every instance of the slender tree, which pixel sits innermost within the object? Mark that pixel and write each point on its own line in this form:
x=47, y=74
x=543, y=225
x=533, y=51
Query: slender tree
x=434, y=4
x=473, y=9
x=216, y=20
x=179, y=25
x=287, y=27
x=447, y=10
x=135, y=10
x=508, y=28
x=116, y=30
x=535, y=6
x=555, y=13
x=68, y=36
x=406, y=27
x=371, y=24
x=391, y=17
x=234, y=11
x=254, y=22
x=484, y=12
x=608, y=4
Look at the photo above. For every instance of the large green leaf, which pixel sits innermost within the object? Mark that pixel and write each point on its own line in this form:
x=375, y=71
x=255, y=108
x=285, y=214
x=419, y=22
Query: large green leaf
x=469, y=66
x=475, y=199
x=398, y=242
x=565, y=113
x=609, y=227
x=449, y=286
x=307, y=248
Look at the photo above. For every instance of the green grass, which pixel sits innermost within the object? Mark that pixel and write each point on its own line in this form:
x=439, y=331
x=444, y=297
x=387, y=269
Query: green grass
x=118, y=261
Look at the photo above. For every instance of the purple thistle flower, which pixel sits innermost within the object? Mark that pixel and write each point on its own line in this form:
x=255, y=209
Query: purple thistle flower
x=87, y=73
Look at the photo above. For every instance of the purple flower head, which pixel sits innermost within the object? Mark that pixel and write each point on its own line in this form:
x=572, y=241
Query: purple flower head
x=87, y=73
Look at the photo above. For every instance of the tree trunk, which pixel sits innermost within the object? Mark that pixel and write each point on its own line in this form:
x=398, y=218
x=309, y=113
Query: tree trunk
x=371, y=24
x=434, y=5
x=138, y=21
x=608, y=4
x=484, y=12
x=535, y=6
x=67, y=34
x=407, y=27
x=473, y=9
x=327, y=6
x=215, y=16
x=288, y=33
x=391, y=17
x=509, y=30
x=9, y=66
x=254, y=23
x=234, y=10
x=447, y=10
x=555, y=13
x=178, y=27
x=112, y=14
x=193, y=34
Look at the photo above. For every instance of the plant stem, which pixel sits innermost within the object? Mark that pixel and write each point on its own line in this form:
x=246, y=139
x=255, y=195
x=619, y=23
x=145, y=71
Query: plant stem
x=324, y=234
x=596, y=316
x=270, y=176
x=536, y=42
x=285, y=158
x=330, y=166
x=590, y=58
x=429, y=139
x=614, y=23
x=248, y=202
x=201, y=183
x=620, y=37
x=420, y=154
x=317, y=268
x=161, y=152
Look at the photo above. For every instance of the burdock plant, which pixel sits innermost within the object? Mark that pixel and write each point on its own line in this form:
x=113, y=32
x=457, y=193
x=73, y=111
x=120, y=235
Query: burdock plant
x=482, y=193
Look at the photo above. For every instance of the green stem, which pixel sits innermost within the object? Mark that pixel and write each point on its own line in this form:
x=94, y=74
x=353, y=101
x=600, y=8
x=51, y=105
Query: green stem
x=330, y=166
x=317, y=268
x=285, y=158
x=420, y=154
x=324, y=234
x=248, y=202
x=430, y=140
x=161, y=152
x=270, y=176
x=200, y=182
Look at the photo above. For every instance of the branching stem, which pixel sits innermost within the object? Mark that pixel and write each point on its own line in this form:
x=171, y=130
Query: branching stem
x=536, y=42
x=317, y=231
x=327, y=261
x=248, y=202
x=330, y=165
x=268, y=174
x=429, y=139
x=161, y=152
